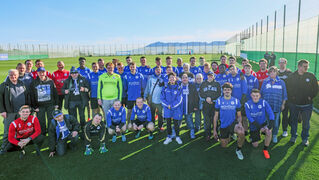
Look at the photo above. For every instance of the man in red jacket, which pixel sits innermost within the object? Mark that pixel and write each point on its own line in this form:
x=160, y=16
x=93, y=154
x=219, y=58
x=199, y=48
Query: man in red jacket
x=262, y=74
x=59, y=76
x=25, y=130
x=39, y=63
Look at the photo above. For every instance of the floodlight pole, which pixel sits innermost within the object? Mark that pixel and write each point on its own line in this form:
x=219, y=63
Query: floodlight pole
x=297, y=38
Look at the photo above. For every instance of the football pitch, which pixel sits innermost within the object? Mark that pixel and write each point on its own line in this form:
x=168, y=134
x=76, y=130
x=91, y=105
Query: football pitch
x=149, y=159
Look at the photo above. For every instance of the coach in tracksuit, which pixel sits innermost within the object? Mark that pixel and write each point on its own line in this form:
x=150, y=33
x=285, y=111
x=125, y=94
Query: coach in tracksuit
x=190, y=103
x=210, y=90
x=44, y=98
x=172, y=99
x=302, y=87
x=59, y=76
x=76, y=89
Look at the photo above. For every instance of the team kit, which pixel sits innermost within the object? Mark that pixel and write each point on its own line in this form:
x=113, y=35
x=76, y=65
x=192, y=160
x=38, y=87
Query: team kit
x=227, y=102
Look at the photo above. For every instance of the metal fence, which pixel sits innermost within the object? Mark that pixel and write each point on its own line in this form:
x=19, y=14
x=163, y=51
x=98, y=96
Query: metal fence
x=291, y=31
x=40, y=51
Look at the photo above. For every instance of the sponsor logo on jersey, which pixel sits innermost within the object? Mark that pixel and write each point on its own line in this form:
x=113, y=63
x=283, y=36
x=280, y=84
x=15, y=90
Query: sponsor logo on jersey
x=259, y=106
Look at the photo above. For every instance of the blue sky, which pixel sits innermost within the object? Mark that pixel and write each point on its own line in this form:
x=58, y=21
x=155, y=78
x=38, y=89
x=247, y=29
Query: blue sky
x=104, y=22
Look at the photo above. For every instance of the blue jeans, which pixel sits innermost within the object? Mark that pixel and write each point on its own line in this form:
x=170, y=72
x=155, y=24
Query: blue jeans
x=189, y=121
x=276, y=123
x=198, y=119
x=305, y=112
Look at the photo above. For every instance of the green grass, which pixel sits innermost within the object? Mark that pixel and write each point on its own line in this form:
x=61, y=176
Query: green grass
x=150, y=159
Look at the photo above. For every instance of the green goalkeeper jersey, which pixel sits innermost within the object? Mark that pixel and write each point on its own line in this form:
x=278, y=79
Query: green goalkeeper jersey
x=109, y=87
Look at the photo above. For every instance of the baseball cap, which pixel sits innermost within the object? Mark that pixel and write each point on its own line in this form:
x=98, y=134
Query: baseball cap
x=56, y=113
x=40, y=69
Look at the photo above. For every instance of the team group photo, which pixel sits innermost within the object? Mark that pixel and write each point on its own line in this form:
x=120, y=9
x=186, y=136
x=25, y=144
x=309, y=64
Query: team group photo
x=245, y=107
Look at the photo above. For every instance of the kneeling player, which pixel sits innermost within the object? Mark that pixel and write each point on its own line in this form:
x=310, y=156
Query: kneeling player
x=227, y=106
x=95, y=127
x=63, y=128
x=144, y=118
x=256, y=110
x=116, y=120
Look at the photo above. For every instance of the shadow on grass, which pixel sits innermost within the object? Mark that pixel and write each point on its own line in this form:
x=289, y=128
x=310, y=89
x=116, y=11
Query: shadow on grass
x=292, y=159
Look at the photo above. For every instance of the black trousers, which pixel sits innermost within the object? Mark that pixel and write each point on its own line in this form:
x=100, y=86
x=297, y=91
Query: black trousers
x=169, y=126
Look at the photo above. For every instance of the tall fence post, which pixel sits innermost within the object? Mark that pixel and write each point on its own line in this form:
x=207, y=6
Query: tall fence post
x=317, y=45
x=297, y=38
x=283, y=33
x=274, y=40
x=267, y=33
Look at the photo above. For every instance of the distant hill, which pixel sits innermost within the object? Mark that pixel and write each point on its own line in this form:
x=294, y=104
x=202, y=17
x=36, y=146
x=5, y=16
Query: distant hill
x=213, y=43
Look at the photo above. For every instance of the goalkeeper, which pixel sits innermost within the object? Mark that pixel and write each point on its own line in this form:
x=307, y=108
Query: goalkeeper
x=95, y=127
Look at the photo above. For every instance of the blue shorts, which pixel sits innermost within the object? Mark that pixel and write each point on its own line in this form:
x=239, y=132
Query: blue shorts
x=176, y=113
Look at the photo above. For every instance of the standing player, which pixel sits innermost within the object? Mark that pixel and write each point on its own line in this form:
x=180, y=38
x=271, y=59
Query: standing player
x=209, y=90
x=215, y=68
x=206, y=69
x=222, y=77
x=94, y=80
x=172, y=99
x=223, y=60
x=283, y=74
x=116, y=120
x=109, y=88
x=143, y=118
x=120, y=70
x=145, y=70
x=262, y=74
x=59, y=77
x=193, y=68
x=133, y=87
x=190, y=103
x=101, y=67
x=39, y=63
x=128, y=62
x=201, y=63
x=158, y=62
x=228, y=107
x=244, y=62
x=179, y=65
x=29, y=65
x=169, y=62
x=95, y=127
x=256, y=111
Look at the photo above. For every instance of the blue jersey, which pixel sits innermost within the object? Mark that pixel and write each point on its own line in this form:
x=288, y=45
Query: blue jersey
x=116, y=71
x=133, y=84
x=227, y=110
x=175, y=70
x=94, y=79
x=201, y=68
x=143, y=114
x=180, y=69
x=127, y=69
x=146, y=72
x=124, y=95
x=84, y=72
x=221, y=78
x=257, y=112
x=195, y=70
x=102, y=71
x=172, y=96
x=252, y=83
x=115, y=117
x=204, y=75
x=239, y=86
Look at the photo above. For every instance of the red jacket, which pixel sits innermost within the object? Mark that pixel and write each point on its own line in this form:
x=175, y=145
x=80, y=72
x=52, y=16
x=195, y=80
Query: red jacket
x=34, y=74
x=20, y=129
x=261, y=76
x=59, y=77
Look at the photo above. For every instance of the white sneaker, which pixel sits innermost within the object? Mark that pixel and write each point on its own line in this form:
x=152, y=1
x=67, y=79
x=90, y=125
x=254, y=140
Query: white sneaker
x=167, y=140
x=285, y=134
x=178, y=140
x=274, y=139
x=239, y=155
x=234, y=137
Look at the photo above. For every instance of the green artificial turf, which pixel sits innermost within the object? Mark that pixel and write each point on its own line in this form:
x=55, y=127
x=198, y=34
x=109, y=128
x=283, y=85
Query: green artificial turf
x=150, y=159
